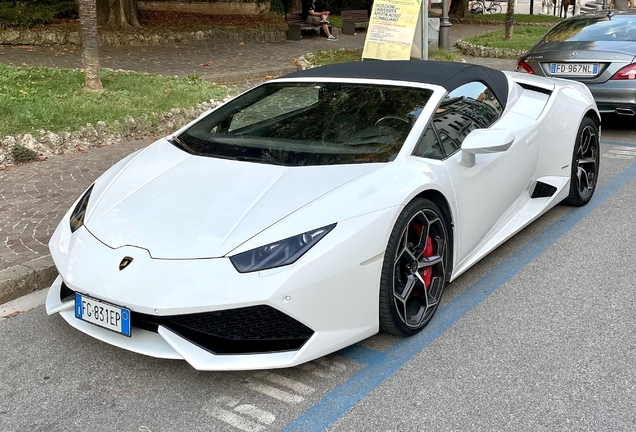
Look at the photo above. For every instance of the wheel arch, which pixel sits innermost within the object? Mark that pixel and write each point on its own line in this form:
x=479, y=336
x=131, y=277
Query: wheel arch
x=438, y=198
x=594, y=116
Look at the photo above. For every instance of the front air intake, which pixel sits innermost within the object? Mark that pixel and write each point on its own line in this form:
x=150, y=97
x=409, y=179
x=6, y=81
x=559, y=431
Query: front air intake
x=249, y=330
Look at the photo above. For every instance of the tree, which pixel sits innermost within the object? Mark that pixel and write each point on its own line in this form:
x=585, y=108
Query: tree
x=117, y=13
x=293, y=6
x=459, y=8
x=510, y=19
x=90, y=45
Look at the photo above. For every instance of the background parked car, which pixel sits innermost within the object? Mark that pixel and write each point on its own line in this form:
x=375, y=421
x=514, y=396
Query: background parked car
x=596, y=49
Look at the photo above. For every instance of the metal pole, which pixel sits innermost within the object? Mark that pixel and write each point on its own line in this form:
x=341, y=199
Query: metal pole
x=444, y=28
x=531, y=7
x=424, y=16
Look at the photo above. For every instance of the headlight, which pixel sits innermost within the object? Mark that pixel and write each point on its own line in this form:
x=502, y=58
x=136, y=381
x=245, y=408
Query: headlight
x=278, y=254
x=77, y=217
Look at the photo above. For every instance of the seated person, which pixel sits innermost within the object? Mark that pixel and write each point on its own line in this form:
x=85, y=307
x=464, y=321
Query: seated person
x=313, y=14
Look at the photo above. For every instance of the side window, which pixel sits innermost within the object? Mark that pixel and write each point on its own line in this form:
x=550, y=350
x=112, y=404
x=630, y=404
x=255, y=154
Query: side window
x=428, y=145
x=469, y=107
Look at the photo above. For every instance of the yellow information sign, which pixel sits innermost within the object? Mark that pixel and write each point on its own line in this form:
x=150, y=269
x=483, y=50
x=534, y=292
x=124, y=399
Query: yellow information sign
x=391, y=29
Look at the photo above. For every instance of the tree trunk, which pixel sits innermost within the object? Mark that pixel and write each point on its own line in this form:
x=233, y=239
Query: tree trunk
x=510, y=18
x=90, y=45
x=293, y=6
x=118, y=13
x=459, y=8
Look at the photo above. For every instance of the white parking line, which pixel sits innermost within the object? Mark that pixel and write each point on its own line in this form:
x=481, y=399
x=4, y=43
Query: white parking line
x=274, y=392
x=283, y=381
x=257, y=414
x=329, y=368
x=234, y=419
x=620, y=153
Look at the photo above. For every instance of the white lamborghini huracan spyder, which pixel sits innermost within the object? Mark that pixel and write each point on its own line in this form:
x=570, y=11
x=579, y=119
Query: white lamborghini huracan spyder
x=315, y=210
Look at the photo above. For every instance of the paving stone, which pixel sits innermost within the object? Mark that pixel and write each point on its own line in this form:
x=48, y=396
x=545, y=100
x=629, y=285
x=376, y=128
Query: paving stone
x=27, y=221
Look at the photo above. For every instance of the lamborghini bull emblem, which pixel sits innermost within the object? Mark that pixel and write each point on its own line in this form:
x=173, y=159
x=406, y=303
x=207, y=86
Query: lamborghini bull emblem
x=125, y=262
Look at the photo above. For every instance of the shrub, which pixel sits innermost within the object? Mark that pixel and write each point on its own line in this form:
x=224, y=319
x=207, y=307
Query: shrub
x=277, y=6
x=21, y=154
x=28, y=13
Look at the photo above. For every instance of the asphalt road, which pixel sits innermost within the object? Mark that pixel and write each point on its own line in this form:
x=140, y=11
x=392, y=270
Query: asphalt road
x=540, y=335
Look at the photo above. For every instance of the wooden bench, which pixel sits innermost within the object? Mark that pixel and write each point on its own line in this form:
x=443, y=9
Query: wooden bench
x=296, y=24
x=352, y=17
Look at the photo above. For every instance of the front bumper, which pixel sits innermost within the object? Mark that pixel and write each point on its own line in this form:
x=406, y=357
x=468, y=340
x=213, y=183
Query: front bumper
x=332, y=290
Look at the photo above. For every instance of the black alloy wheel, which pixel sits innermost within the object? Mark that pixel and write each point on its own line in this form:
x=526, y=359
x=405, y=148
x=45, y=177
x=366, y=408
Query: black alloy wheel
x=585, y=164
x=415, y=267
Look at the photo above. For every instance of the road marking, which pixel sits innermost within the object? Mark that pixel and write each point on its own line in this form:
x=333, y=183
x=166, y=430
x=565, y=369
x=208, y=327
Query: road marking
x=234, y=419
x=283, y=381
x=613, y=156
x=227, y=400
x=618, y=144
x=620, y=153
x=333, y=405
x=328, y=368
x=274, y=392
x=257, y=414
x=262, y=418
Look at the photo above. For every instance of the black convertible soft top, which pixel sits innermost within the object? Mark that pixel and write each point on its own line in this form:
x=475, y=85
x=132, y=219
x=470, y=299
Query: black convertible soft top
x=449, y=75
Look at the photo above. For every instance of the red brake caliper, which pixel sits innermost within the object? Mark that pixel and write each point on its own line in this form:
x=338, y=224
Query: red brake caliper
x=427, y=253
x=428, y=271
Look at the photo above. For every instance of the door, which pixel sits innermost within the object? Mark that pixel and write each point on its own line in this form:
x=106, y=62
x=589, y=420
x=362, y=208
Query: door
x=489, y=192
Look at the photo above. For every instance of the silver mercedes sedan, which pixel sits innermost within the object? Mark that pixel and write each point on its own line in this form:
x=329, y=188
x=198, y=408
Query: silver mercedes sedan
x=597, y=49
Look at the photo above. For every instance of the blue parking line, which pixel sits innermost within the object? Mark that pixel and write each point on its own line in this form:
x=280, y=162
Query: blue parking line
x=618, y=143
x=378, y=368
x=362, y=355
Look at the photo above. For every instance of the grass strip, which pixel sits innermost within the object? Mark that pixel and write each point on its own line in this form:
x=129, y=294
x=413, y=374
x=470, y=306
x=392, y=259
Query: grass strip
x=321, y=58
x=523, y=38
x=54, y=99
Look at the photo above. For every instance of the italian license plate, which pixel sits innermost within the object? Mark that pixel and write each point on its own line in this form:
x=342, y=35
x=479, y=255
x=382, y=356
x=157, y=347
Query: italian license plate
x=578, y=69
x=102, y=314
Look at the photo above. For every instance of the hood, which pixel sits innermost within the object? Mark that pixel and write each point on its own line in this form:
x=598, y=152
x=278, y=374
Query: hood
x=179, y=206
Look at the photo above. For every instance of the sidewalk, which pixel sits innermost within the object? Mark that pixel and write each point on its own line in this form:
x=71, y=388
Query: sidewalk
x=34, y=197
x=224, y=61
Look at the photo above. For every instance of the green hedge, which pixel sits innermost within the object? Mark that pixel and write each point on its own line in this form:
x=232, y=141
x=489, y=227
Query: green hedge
x=28, y=13
x=277, y=6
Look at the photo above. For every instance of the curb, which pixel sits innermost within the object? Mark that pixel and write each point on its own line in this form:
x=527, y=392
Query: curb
x=475, y=50
x=50, y=38
x=23, y=279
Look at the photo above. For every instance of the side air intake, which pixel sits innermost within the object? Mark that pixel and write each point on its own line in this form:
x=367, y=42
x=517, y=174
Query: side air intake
x=543, y=190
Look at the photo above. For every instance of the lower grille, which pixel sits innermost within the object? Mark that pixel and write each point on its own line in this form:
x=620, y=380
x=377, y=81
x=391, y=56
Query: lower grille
x=250, y=330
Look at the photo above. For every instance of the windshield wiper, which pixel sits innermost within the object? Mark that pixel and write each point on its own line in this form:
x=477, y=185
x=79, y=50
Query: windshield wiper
x=181, y=144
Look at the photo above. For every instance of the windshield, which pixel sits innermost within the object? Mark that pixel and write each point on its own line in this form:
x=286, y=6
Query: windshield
x=593, y=29
x=298, y=124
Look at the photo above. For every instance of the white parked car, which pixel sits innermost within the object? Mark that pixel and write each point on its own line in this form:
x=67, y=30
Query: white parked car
x=317, y=209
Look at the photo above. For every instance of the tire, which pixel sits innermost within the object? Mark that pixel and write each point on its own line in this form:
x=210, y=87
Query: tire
x=415, y=269
x=585, y=164
x=475, y=8
x=495, y=8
